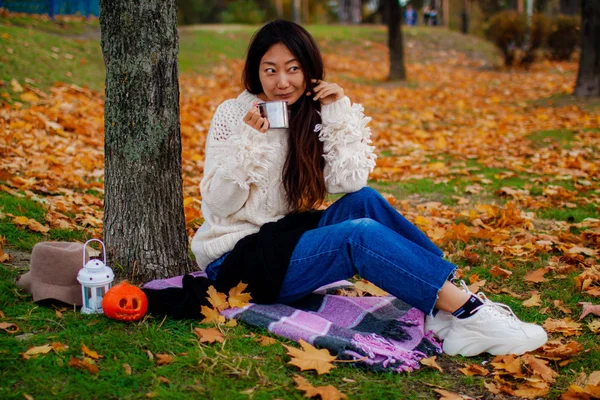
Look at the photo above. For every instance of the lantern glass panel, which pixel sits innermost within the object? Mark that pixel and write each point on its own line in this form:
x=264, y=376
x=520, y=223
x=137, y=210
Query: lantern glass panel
x=99, y=296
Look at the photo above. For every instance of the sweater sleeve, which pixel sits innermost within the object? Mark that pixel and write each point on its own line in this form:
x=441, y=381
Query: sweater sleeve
x=349, y=158
x=237, y=156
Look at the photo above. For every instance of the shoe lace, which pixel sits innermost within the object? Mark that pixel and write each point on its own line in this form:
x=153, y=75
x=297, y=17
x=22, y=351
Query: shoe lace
x=500, y=309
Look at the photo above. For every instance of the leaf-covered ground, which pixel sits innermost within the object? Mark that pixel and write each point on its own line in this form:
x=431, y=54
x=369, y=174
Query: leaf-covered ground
x=500, y=168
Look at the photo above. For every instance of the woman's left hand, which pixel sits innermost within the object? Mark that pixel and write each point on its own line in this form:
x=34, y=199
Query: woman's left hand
x=326, y=92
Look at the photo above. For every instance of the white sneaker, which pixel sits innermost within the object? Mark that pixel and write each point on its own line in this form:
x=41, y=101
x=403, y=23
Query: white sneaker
x=440, y=324
x=494, y=329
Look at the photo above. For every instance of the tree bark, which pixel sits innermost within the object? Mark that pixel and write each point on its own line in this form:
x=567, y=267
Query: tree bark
x=588, y=77
x=569, y=7
x=144, y=223
x=395, y=41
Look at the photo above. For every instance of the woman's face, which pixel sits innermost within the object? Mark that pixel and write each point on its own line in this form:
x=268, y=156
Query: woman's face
x=280, y=75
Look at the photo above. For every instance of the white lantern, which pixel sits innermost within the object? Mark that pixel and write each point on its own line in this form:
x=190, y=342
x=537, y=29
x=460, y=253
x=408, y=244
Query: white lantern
x=95, y=278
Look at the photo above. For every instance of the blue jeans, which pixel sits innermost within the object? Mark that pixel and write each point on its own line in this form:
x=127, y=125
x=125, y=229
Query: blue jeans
x=361, y=233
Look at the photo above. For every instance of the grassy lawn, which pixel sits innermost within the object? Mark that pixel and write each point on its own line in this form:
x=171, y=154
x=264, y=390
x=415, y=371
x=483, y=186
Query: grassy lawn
x=36, y=53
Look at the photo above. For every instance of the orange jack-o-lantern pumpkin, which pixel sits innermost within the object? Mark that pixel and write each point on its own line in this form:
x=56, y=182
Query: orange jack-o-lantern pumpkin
x=125, y=302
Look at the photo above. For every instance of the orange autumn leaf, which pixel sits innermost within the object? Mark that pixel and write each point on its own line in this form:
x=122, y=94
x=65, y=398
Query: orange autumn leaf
x=430, y=362
x=536, y=276
x=265, y=340
x=237, y=298
x=90, y=353
x=216, y=299
x=309, y=358
x=555, y=349
x=533, y=301
x=87, y=364
x=500, y=272
x=211, y=315
x=209, y=335
x=566, y=326
x=324, y=392
x=474, y=369
x=164, y=359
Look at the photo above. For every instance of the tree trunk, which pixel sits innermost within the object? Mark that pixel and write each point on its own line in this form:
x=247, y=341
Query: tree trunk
x=144, y=224
x=279, y=7
x=395, y=43
x=355, y=12
x=296, y=6
x=569, y=7
x=588, y=77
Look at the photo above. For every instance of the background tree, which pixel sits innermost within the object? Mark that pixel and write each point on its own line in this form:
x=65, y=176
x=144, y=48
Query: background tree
x=588, y=77
x=144, y=224
x=393, y=13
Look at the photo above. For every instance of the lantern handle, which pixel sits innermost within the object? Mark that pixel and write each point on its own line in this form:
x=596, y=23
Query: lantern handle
x=85, y=248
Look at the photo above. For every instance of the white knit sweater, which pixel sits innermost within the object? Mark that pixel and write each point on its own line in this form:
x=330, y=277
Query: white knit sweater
x=242, y=186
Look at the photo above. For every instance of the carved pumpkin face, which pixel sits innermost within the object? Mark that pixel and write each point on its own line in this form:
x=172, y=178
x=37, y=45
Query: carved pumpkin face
x=125, y=302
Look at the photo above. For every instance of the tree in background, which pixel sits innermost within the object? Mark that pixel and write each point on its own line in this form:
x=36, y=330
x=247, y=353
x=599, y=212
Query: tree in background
x=393, y=13
x=588, y=77
x=144, y=224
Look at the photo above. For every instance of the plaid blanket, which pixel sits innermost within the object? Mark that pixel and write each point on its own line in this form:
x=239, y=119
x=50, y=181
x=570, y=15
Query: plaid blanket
x=380, y=333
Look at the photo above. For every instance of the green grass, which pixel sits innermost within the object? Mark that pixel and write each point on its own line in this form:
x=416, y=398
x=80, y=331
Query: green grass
x=61, y=25
x=23, y=239
x=39, y=59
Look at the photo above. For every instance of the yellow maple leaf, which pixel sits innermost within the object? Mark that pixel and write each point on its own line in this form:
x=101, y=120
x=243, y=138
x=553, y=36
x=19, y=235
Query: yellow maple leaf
x=9, y=327
x=325, y=392
x=216, y=299
x=237, y=298
x=309, y=358
x=212, y=316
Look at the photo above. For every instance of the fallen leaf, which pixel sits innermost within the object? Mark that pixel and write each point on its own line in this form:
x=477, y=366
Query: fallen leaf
x=150, y=355
x=325, y=392
x=566, y=326
x=209, y=335
x=57, y=346
x=430, y=362
x=500, y=272
x=216, y=299
x=536, y=276
x=36, y=351
x=474, y=369
x=127, y=369
x=9, y=327
x=87, y=364
x=534, y=301
x=237, y=298
x=589, y=308
x=555, y=349
x=540, y=367
x=446, y=395
x=370, y=288
x=162, y=379
x=476, y=286
x=164, y=359
x=90, y=353
x=310, y=358
x=212, y=316
x=560, y=305
x=594, y=326
x=265, y=340
x=231, y=323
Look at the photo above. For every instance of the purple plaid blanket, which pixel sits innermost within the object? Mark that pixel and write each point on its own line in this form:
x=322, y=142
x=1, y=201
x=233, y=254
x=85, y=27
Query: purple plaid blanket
x=380, y=333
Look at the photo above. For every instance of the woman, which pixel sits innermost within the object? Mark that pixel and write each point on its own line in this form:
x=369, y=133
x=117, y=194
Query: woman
x=261, y=185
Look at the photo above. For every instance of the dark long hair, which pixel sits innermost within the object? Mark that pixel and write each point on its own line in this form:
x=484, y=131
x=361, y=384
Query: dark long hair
x=302, y=176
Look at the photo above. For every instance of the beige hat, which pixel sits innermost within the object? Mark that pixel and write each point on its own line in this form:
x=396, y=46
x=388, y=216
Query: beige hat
x=53, y=272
